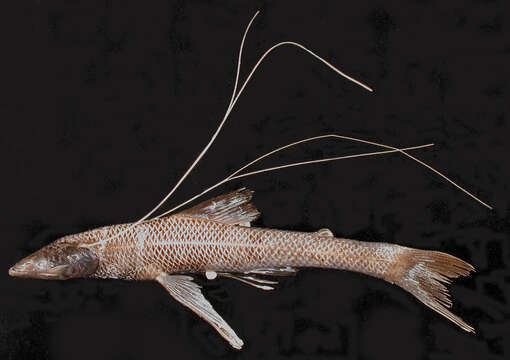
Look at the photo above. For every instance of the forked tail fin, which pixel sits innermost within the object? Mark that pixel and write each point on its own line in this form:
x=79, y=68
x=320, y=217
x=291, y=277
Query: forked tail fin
x=425, y=273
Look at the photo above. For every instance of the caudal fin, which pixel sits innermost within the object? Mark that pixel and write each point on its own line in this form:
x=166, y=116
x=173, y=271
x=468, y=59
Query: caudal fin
x=425, y=273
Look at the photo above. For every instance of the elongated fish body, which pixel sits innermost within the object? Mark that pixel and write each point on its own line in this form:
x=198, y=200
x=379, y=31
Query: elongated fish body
x=187, y=245
x=215, y=238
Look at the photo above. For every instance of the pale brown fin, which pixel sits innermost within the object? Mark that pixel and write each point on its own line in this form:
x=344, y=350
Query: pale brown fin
x=185, y=291
x=425, y=273
x=283, y=271
x=251, y=280
x=233, y=208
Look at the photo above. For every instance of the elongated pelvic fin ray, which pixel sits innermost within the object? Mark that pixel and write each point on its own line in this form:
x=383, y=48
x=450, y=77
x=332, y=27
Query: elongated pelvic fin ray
x=283, y=271
x=188, y=293
x=251, y=280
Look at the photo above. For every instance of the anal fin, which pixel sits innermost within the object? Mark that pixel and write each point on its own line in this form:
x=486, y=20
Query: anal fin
x=188, y=293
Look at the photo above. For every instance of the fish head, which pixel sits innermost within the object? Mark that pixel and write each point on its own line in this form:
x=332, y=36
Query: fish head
x=59, y=260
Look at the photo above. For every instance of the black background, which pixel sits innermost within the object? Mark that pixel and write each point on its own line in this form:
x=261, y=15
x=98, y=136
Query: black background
x=105, y=104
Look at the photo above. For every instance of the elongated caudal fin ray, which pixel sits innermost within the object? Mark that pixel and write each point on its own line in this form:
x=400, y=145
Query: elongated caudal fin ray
x=425, y=274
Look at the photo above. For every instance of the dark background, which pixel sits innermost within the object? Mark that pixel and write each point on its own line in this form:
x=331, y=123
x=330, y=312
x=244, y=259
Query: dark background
x=105, y=104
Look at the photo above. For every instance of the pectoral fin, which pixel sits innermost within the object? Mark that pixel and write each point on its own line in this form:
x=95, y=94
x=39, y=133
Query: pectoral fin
x=188, y=293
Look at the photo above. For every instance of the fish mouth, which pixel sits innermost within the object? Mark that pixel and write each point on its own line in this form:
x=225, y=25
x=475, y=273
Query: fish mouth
x=14, y=272
x=23, y=268
x=24, y=271
x=17, y=272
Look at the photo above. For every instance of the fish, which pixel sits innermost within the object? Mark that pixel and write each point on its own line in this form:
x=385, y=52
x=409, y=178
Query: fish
x=215, y=239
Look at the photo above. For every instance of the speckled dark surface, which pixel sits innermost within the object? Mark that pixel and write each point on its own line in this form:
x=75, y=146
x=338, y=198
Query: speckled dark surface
x=105, y=105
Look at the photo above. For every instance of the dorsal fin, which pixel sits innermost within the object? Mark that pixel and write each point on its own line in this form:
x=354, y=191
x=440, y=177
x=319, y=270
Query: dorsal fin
x=233, y=208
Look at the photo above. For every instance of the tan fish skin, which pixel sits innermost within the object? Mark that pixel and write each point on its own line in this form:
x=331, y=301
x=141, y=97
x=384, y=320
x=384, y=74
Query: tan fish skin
x=181, y=245
x=195, y=241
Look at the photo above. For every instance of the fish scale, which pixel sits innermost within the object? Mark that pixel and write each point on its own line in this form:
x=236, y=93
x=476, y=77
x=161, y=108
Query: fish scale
x=179, y=244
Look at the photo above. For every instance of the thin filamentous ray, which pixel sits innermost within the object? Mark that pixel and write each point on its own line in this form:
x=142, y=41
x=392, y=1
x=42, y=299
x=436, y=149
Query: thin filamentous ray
x=233, y=101
x=235, y=97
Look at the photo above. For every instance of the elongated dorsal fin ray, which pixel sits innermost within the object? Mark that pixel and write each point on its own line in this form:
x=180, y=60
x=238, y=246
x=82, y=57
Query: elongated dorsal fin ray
x=233, y=208
x=188, y=293
x=235, y=96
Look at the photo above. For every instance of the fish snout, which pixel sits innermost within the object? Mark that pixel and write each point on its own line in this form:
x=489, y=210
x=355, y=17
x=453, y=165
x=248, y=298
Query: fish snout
x=56, y=263
x=21, y=269
x=33, y=266
x=13, y=271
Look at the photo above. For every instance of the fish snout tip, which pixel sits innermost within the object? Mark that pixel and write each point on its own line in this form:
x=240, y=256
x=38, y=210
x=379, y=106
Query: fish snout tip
x=13, y=271
x=20, y=269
